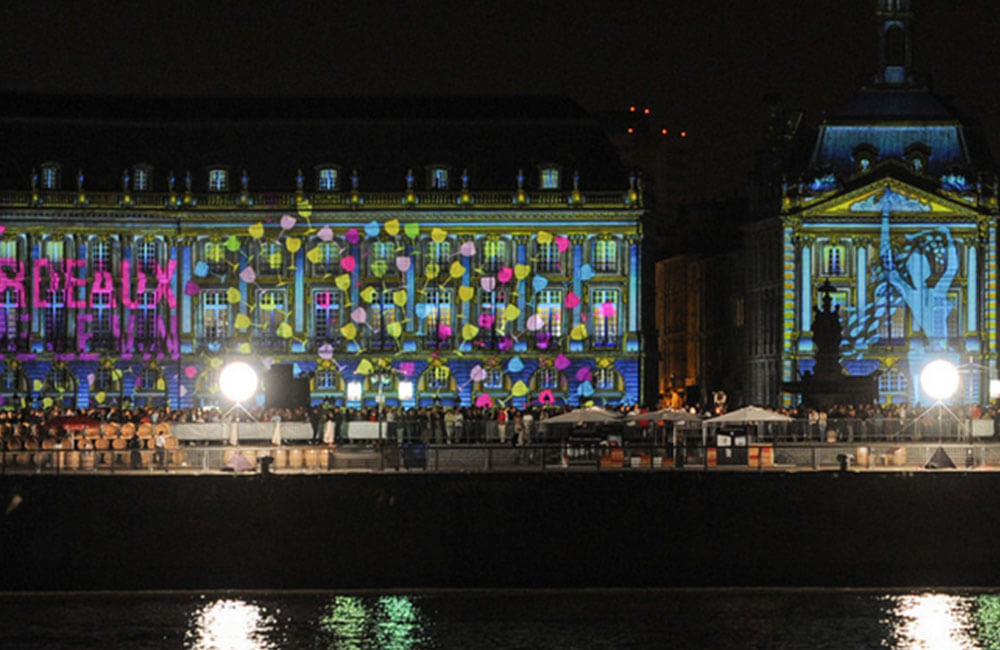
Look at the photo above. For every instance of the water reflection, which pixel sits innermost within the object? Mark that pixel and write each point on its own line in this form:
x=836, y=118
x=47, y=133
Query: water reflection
x=929, y=620
x=228, y=624
x=392, y=622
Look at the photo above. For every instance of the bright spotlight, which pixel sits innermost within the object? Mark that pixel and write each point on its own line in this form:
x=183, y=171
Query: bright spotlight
x=238, y=381
x=353, y=391
x=405, y=390
x=939, y=379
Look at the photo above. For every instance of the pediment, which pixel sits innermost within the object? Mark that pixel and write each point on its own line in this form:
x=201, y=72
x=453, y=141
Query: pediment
x=887, y=194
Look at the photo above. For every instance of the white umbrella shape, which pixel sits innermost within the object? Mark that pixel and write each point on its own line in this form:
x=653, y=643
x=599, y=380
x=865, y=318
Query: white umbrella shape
x=585, y=416
x=750, y=414
x=669, y=415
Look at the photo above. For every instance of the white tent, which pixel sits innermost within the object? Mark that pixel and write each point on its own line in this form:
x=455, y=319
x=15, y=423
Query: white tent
x=749, y=415
x=589, y=415
x=667, y=415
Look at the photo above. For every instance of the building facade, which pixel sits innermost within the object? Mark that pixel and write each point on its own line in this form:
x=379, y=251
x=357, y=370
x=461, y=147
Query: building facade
x=371, y=261
x=896, y=207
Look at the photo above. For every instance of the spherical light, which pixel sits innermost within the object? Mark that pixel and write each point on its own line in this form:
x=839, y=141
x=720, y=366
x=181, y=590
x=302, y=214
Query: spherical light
x=939, y=379
x=238, y=381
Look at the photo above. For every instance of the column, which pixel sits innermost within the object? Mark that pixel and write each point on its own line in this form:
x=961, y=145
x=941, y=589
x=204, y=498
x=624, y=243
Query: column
x=805, y=283
x=861, y=289
x=972, y=289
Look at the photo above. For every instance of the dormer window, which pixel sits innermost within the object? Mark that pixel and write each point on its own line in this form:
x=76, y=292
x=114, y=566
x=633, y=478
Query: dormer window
x=327, y=179
x=437, y=178
x=218, y=180
x=917, y=155
x=142, y=178
x=50, y=176
x=548, y=178
x=864, y=156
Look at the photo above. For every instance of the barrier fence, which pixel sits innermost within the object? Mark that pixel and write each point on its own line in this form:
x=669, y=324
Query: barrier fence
x=586, y=455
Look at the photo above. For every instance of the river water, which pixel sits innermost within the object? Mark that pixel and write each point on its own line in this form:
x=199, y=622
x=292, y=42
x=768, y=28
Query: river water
x=792, y=618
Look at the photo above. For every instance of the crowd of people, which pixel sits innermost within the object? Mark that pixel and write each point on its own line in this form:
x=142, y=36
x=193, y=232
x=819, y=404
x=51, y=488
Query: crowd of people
x=505, y=425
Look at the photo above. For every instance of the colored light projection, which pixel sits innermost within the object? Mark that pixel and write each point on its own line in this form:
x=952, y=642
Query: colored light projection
x=913, y=302
x=461, y=317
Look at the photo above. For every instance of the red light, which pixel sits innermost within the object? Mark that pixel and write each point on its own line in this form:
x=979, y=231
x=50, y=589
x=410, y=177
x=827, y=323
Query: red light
x=663, y=131
x=684, y=134
x=631, y=109
x=646, y=111
x=631, y=130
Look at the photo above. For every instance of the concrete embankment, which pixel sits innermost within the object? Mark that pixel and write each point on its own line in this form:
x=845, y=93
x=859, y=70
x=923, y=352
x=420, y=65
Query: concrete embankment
x=553, y=529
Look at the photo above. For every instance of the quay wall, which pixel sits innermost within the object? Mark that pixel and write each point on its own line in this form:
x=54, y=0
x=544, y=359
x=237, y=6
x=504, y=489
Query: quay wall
x=551, y=529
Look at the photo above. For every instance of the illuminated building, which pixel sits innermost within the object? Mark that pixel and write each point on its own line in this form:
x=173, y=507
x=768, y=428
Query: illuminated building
x=472, y=251
x=896, y=207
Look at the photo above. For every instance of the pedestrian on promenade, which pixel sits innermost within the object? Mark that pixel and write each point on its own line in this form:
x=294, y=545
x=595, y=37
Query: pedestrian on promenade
x=160, y=453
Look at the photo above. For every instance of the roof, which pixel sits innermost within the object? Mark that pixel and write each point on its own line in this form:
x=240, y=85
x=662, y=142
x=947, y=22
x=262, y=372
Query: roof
x=272, y=138
x=895, y=103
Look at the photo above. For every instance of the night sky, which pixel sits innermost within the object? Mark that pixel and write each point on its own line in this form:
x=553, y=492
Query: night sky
x=701, y=66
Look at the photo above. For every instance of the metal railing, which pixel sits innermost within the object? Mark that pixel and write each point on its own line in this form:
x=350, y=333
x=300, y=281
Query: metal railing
x=567, y=456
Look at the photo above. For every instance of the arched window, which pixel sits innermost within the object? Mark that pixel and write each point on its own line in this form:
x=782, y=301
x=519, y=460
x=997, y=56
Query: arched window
x=218, y=180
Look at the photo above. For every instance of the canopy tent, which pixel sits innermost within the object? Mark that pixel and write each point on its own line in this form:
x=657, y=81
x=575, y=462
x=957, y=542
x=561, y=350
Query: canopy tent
x=665, y=415
x=749, y=415
x=589, y=415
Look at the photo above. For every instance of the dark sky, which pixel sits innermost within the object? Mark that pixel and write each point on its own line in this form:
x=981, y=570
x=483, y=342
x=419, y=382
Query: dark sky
x=701, y=65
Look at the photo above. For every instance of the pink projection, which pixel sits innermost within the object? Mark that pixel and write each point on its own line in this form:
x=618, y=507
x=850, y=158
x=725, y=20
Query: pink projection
x=69, y=278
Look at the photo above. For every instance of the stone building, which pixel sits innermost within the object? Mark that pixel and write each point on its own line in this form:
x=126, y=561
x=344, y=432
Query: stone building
x=420, y=250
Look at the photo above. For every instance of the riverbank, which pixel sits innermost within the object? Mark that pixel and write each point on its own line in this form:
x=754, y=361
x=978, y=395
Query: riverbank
x=561, y=529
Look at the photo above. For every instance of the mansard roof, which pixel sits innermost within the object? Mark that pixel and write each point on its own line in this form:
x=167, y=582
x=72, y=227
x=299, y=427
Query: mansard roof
x=890, y=120
x=272, y=138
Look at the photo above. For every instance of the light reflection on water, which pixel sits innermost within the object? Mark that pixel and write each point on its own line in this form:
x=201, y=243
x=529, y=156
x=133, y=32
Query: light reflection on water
x=788, y=618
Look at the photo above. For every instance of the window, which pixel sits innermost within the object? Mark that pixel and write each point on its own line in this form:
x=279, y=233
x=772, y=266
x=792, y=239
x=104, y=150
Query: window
x=142, y=178
x=214, y=315
x=834, y=262
x=382, y=258
x=215, y=257
x=54, y=250
x=99, y=254
x=218, y=180
x=494, y=255
x=549, y=306
x=326, y=179
x=326, y=315
x=549, y=178
x=439, y=253
x=329, y=256
x=104, y=380
x=50, y=177
x=271, y=308
x=548, y=378
x=605, y=317
x=606, y=379
x=381, y=314
x=150, y=387
x=549, y=259
x=492, y=317
x=10, y=314
x=59, y=380
x=893, y=381
x=892, y=317
x=494, y=379
x=54, y=320
x=102, y=337
x=325, y=380
x=605, y=256
x=145, y=320
x=438, y=178
x=272, y=258
x=146, y=256
x=11, y=380
x=437, y=378
x=437, y=318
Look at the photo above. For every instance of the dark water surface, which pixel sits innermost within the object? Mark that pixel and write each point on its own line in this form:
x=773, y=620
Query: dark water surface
x=794, y=618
